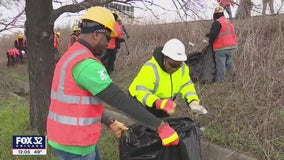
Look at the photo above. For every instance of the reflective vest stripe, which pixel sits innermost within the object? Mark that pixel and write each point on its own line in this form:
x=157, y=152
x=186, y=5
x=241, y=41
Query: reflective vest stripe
x=189, y=94
x=186, y=84
x=145, y=98
x=182, y=70
x=225, y=33
x=142, y=88
x=74, y=121
x=156, y=75
x=61, y=97
x=227, y=30
x=64, y=66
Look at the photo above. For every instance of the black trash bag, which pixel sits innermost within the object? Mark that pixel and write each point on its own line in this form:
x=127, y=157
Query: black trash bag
x=141, y=143
x=202, y=66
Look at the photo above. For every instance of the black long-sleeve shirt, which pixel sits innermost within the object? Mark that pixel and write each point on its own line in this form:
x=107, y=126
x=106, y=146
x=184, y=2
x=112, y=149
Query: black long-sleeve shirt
x=214, y=31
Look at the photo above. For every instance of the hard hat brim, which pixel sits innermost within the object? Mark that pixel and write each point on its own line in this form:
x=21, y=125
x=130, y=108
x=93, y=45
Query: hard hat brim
x=180, y=58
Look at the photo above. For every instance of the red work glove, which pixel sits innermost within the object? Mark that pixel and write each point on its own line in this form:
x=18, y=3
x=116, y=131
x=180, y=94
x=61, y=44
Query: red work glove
x=168, y=135
x=166, y=105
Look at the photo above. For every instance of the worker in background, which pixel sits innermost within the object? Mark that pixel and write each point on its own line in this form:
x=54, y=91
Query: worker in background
x=81, y=87
x=265, y=4
x=109, y=57
x=119, y=20
x=226, y=4
x=162, y=78
x=56, y=42
x=21, y=45
x=13, y=56
x=74, y=36
x=223, y=40
x=244, y=9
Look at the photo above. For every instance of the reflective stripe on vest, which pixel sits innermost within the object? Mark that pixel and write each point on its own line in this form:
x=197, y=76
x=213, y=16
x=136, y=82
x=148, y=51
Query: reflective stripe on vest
x=188, y=83
x=227, y=31
x=157, y=77
x=61, y=97
x=74, y=121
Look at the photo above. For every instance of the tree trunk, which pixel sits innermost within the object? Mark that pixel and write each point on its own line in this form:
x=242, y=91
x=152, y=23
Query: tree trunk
x=39, y=33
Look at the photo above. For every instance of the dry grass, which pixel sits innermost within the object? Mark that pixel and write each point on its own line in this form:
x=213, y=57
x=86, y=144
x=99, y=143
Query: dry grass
x=248, y=110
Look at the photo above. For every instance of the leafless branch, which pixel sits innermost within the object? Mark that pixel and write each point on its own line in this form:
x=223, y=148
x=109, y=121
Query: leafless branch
x=77, y=7
x=281, y=5
x=12, y=23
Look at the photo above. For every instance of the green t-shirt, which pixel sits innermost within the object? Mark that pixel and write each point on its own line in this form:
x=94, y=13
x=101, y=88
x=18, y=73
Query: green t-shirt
x=92, y=76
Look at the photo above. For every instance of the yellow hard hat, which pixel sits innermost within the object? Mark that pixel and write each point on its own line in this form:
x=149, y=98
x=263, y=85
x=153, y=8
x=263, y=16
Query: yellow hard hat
x=20, y=36
x=102, y=16
x=119, y=18
x=76, y=28
x=219, y=9
x=58, y=33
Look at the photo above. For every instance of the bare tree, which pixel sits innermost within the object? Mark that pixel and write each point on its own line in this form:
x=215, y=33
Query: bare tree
x=39, y=32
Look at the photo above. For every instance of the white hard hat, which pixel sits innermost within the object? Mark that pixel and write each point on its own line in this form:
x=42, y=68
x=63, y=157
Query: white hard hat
x=175, y=50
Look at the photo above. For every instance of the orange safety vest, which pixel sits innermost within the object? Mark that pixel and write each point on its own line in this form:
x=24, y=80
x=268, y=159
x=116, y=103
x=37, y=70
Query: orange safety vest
x=23, y=43
x=13, y=52
x=226, y=38
x=224, y=3
x=72, y=36
x=55, y=41
x=118, y=29
x=74, y=116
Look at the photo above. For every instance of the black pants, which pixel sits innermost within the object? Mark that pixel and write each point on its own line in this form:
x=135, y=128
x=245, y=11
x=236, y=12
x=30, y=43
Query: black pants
x=11, y=60
x=108, y=59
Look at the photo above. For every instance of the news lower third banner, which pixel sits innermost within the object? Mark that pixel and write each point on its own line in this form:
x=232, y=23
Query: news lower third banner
x=29, y=145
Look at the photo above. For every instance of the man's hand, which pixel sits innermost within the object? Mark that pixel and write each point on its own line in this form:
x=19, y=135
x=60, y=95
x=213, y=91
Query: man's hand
x=166, y=105
x=195, y=110
x=117, y=128
x=168, y=135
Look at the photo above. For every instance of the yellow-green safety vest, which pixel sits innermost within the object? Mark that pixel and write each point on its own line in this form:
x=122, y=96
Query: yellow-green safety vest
x=152, y=83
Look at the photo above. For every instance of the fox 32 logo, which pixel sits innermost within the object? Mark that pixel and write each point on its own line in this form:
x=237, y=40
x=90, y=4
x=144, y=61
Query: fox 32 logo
x=29, y=144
